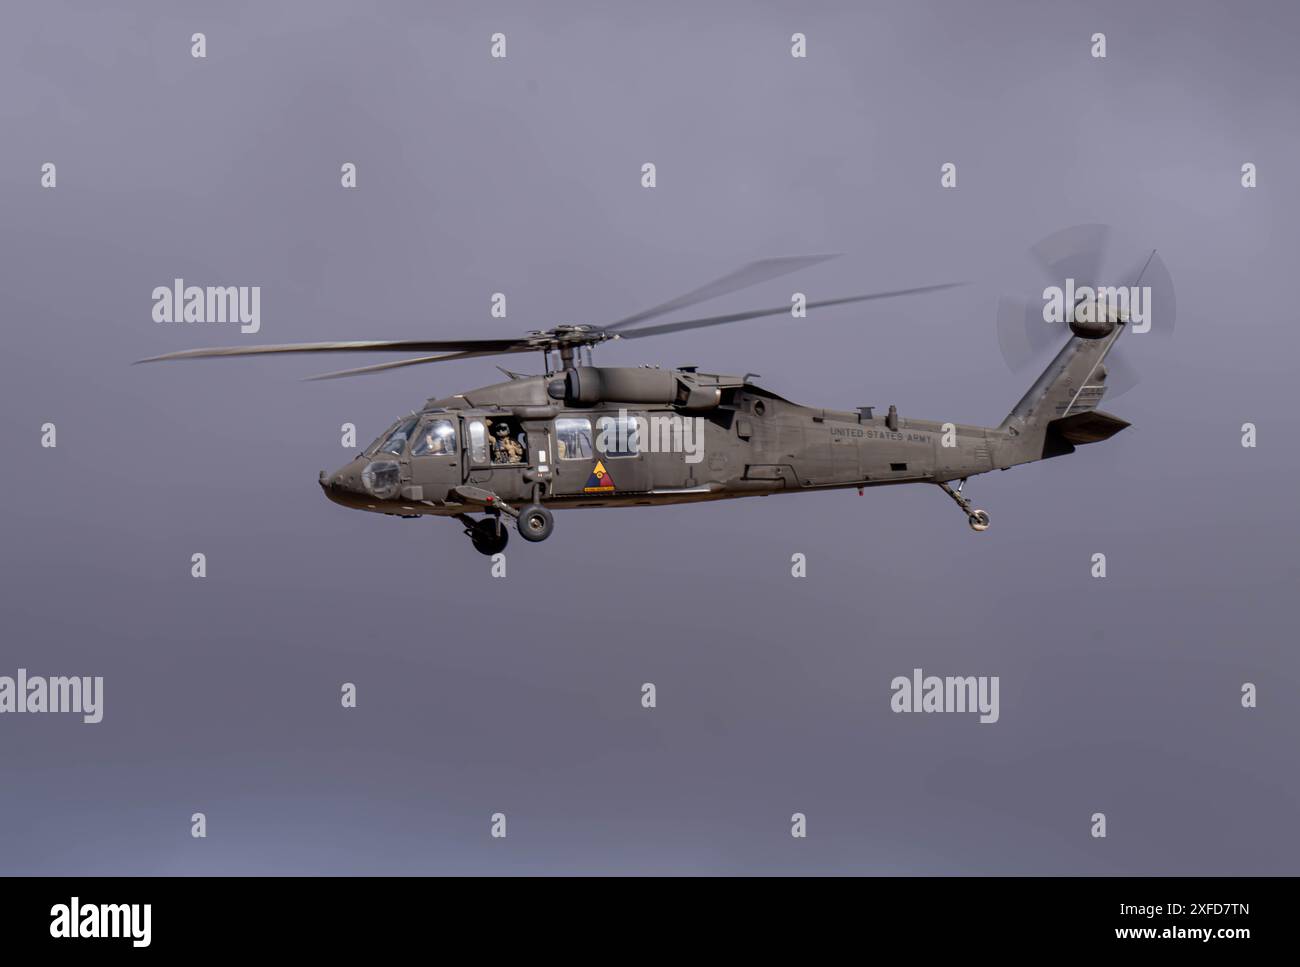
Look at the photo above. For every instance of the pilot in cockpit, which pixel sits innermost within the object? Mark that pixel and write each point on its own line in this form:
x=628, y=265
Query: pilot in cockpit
x=437, y=440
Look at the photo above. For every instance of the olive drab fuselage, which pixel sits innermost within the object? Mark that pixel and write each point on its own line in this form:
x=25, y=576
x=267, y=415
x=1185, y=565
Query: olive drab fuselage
x=725, y=438
x=620, y=436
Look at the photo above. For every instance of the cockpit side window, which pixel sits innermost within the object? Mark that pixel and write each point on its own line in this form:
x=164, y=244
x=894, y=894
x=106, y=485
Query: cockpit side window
x=396, y=441
x=436, y=438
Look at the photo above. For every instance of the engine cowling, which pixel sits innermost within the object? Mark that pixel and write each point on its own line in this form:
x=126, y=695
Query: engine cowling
x=589, y=385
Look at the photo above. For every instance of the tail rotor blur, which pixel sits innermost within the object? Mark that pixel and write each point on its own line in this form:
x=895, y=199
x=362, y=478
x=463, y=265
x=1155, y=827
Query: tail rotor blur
x=1076, y=258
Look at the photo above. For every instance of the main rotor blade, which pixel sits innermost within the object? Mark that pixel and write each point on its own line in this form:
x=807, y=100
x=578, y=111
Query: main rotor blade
x=759, y=313
x=742, y=278
x=398, y=364
x=364, y=346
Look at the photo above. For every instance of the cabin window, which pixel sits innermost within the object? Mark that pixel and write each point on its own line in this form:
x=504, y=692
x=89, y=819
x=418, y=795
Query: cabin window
x=396, y=441
x=437, y=438
x=573, y=438
x=478, y=446
x=618, y=436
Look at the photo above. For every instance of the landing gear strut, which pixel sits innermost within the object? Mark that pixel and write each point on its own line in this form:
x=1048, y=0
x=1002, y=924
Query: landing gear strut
x=534, y=522
x=978, y=519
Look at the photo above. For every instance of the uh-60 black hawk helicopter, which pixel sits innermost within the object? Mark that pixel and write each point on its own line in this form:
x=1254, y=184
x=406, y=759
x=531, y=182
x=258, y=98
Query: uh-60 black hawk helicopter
x=608, y=436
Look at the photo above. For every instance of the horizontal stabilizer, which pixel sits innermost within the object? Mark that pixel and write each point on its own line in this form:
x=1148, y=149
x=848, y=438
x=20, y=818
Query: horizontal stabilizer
x=1091, y=426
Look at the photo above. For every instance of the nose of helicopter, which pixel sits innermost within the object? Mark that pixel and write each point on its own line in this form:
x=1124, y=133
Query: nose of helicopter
x=344, y=486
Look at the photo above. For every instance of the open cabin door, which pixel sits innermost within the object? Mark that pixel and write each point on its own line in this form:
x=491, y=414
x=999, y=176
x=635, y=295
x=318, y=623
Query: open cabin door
x=497, y=452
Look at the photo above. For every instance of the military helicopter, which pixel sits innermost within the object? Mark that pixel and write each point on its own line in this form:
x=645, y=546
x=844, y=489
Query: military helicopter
x=580, y=435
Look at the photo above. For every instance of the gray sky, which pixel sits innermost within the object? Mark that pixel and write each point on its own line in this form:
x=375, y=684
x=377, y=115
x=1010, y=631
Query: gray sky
x=522, y=695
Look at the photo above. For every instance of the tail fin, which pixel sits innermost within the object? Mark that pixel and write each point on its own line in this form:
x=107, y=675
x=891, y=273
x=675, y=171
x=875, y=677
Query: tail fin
x=1060, y=409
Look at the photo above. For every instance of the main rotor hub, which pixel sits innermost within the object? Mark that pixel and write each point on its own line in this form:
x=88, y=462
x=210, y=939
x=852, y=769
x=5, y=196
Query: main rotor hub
x=567, y=337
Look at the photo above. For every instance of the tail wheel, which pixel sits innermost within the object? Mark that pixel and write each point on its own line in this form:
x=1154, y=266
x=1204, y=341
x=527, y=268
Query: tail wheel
x=535, y=523
x=979, y=520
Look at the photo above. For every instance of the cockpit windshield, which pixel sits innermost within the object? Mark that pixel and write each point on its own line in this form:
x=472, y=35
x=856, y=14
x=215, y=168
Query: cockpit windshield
x=396, y=441
x=374, y=444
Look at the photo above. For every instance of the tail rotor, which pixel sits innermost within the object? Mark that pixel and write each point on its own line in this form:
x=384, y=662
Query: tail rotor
x=1073, y=259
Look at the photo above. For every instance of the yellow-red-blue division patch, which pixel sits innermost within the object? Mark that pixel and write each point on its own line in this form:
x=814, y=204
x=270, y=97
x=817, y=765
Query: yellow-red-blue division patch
x=600, y=482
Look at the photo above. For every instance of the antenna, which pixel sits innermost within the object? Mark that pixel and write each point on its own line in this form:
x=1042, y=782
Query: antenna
x=1138, y=280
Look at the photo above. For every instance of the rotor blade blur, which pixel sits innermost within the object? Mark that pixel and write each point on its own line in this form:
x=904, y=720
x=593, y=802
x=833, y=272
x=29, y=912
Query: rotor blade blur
x=1023, y=335
x=1013, y=339
x=364, y=346
x=1075, y=253
x=1121, y=375
x=398, y=364
x=742, y=278
x=759, y=313
x=1160, y=303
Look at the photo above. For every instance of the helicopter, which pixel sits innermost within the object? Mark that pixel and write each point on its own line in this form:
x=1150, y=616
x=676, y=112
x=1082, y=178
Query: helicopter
x=584, y=436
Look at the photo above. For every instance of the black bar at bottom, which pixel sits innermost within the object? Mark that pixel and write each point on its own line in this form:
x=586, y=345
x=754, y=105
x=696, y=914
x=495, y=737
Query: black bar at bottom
x=332, y=916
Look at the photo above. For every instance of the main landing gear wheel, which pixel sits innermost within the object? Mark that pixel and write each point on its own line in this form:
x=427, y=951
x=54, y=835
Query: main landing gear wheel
x=488, y=536
x=535, y=523
x=979, y=520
